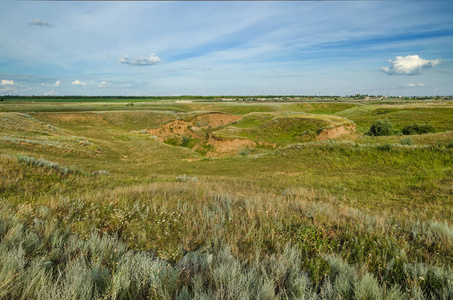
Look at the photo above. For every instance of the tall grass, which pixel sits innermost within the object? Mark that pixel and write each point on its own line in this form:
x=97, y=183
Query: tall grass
x=213, y=243
x=40, y=261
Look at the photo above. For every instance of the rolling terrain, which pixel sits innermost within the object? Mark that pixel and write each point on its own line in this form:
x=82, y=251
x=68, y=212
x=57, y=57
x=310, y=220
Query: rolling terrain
x=212, y=200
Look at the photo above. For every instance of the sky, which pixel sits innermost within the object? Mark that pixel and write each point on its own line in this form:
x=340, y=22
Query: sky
x=165, y=48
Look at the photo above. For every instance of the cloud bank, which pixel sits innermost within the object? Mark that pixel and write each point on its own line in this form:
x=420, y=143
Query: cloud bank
x=409, y=65
x=76, y=82
x=140, y=60
x=40, y=23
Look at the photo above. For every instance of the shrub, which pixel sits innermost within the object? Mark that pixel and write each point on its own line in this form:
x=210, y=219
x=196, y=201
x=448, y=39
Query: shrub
x=407, y=141
x=243, y=152
x=381, y=127
x=185, y=140
x=418, y=129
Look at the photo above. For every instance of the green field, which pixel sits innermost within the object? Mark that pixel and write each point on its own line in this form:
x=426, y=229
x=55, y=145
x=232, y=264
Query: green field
x=212, y=200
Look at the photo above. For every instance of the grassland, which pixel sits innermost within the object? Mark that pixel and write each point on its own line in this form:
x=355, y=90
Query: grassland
x=93, y=206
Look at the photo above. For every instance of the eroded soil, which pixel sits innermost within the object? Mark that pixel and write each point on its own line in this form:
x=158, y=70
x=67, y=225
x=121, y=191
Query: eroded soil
x=198, y=134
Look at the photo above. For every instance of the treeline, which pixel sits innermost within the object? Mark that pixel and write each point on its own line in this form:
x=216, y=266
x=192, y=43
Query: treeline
x=101, y=98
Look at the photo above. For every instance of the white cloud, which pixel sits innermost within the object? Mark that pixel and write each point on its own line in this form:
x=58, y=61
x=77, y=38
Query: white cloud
x=140, y=60
x=41, y=23
x=7, y=82
x=7, y=86
x=56, y=84
x=102, y=84
x=415, y=84
x=76, y=82
x=409, y=65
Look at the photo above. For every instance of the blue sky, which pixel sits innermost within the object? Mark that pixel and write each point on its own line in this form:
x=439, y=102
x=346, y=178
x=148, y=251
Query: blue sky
x=226, y=48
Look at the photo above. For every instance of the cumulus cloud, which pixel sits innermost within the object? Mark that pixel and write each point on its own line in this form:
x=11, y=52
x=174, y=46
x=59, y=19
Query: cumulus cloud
x=409, y=65
x=7, y=86
x=7, y=82
x=40, y=23
x=76, y=82
x=140, y=60
x=102, y=84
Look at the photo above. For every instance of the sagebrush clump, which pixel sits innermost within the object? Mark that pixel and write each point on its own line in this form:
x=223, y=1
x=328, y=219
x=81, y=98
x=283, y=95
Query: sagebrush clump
x=45, y=164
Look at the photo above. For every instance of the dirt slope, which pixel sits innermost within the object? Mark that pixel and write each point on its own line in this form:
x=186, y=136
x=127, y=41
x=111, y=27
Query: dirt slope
x=345, y=131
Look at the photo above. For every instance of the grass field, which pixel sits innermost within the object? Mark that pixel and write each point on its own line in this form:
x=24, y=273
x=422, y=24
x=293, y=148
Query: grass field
x=225, y=201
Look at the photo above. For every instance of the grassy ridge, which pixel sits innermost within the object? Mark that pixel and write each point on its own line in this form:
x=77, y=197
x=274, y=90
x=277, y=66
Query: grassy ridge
x=439, y=115
x=279, y=128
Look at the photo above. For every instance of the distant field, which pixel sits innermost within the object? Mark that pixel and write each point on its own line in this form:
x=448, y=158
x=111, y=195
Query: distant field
x=284, y=200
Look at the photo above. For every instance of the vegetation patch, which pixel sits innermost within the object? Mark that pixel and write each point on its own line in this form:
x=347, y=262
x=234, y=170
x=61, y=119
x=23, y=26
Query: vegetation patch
x=418, y=129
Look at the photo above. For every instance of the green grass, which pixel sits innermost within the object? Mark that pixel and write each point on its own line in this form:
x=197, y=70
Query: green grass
x=369, y=218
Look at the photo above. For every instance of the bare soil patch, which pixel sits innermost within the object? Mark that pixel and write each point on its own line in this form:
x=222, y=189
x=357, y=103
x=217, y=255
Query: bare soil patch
x=198, y=128
x=228, y=147
x=345, y=131
x=192, y=128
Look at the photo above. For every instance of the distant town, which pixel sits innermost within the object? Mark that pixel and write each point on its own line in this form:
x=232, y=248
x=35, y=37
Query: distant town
x=185, y=98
